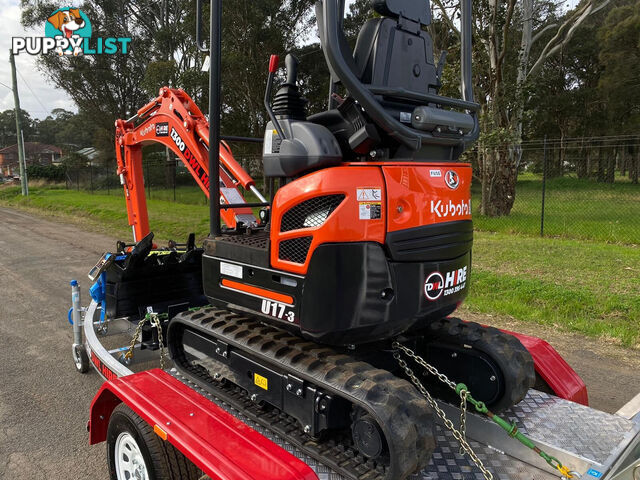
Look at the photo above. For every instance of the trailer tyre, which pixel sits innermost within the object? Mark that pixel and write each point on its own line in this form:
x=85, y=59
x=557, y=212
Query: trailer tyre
x=80, y=358
x=135, y=451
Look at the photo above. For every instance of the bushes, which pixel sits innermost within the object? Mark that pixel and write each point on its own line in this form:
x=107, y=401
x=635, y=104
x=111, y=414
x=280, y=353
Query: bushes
x=51, y=173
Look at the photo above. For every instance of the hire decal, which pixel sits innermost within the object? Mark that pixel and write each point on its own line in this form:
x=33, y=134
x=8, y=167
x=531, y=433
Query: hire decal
x=438, y=285
x=189, y=157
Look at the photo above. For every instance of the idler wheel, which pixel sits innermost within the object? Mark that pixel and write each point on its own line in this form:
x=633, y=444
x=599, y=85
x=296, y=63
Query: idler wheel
x=368, y=436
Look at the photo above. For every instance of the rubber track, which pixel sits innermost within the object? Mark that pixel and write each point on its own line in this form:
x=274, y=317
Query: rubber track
x=336, y=452
x=513, y=358
x=404, y=416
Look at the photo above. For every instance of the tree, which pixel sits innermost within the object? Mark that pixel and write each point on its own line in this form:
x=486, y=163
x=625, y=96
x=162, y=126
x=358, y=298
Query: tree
x=163, y=51
x=500, y=25
x=106, y=87
x=619, y=84
x=251, y=32
x=8, y=127
x=47, y=129
x=620, y=56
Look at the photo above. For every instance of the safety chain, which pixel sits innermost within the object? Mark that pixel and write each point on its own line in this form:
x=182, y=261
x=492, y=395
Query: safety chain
x=154, y=321
x=458, y=434
x=158, y=326
x=465, y=396
x=463, y=416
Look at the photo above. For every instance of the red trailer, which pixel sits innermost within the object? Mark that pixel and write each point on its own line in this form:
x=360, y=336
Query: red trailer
x=313, y=336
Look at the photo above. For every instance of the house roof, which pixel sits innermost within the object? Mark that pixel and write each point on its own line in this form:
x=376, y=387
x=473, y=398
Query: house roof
x=33, y=147
x=89, y=152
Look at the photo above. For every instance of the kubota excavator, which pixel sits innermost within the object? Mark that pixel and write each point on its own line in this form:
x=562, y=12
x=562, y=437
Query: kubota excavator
x=365, y=245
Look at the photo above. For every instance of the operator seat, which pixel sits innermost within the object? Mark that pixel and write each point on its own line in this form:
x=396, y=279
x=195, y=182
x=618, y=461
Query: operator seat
x=393, y=50
x=393, y=57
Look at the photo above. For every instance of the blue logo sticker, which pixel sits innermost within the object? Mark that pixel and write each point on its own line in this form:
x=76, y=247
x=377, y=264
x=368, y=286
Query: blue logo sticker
x=67, y=22
x=594, y=473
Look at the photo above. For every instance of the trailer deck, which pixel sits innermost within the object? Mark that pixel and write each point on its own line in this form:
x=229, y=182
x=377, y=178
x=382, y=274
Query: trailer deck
x=601, y=439
x=594, y=444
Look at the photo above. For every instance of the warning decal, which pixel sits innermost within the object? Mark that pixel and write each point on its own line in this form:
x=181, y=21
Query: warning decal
x=272, y=142
x=369, y=194
x=370, y=210
x=261, y=381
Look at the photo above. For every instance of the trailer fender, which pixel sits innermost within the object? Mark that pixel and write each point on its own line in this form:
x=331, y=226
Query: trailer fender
x=219, y=444
x=101, y=409
x=554, y=370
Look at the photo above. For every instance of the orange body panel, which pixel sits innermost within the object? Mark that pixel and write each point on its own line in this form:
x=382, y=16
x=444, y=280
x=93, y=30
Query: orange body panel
x=343, y=225
x=257, y=291
x=419, y=195
x=410, y=195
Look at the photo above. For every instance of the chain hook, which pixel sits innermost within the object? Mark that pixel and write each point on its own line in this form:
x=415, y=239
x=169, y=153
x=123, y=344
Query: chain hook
x=154, y=320
x=460, y=435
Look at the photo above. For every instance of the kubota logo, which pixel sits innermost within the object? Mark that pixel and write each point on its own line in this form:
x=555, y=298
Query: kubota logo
x=450, y=209
x=436, y=285
x=451, y=179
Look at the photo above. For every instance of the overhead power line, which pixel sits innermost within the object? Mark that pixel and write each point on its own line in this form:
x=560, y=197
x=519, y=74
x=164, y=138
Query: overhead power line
x=32, y=92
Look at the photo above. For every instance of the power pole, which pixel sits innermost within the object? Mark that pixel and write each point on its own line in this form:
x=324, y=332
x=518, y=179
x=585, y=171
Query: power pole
x=25, y=185
x=19, y=137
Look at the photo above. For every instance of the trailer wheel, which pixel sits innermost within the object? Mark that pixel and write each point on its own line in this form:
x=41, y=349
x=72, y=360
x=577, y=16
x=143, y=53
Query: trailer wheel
x=135, y=452
x=80, y=358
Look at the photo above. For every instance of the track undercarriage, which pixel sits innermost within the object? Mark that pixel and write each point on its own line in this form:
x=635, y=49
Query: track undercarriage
x=351, y=407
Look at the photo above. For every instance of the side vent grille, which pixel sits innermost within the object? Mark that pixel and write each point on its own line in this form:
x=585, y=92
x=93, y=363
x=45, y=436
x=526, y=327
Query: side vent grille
x=295, y=250
x=310, y=213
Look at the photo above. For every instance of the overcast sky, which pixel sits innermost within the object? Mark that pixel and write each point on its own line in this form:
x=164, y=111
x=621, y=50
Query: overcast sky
x=37, y=96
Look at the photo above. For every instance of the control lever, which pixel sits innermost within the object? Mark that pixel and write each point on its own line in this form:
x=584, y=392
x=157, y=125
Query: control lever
x=291, y=62
x=288, y=103
x=273, y=68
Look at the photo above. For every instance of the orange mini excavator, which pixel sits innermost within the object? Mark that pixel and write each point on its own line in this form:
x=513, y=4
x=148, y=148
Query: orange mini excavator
x=364, y=245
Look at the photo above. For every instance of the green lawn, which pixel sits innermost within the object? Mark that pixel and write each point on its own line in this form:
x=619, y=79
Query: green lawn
x=586, y=286
x=108, y=213
x=191, y=195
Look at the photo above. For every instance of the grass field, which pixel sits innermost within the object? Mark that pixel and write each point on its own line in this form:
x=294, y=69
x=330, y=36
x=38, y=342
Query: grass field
x=581, y=286
x=586, y=286
x=108, y=213
x=581, y=209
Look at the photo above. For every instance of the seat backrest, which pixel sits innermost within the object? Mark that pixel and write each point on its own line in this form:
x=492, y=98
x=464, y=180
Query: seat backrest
x=394, y=51
x=414, y=10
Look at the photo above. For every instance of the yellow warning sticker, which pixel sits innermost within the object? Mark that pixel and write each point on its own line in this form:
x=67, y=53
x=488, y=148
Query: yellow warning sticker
x=261, y=381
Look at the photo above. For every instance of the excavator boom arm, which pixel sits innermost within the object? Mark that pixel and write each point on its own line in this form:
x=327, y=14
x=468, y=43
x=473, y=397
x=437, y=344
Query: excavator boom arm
x=174, y=120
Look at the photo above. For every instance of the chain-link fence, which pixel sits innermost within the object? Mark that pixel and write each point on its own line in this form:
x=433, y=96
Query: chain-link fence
x=164, y=178
x=585, y=188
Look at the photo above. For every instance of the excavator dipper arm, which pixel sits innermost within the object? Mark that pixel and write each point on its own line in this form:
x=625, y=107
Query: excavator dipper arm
x=174, y=120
